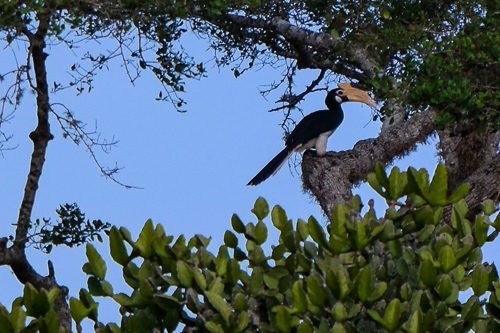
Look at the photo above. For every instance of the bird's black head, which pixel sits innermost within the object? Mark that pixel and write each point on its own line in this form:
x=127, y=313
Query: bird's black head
x=347, y=92
x=335, y=97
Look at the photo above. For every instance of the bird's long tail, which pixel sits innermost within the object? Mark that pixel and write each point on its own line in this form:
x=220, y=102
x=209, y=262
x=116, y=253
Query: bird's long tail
x=272, y=167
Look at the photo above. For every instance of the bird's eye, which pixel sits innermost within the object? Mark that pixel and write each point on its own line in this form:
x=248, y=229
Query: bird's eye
x=340, y=92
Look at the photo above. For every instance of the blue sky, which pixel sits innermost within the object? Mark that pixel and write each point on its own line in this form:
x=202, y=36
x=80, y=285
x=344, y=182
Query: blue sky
x=192, y=166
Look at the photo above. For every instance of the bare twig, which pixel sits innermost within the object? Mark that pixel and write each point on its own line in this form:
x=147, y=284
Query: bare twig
x=75, y=130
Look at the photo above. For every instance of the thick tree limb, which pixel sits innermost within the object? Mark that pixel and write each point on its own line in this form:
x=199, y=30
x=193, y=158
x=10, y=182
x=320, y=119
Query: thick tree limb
x=15, y=255
x=484, y=184
x=331, y=177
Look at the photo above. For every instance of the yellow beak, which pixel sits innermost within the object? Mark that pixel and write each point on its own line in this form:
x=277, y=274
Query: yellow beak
x=356, y=94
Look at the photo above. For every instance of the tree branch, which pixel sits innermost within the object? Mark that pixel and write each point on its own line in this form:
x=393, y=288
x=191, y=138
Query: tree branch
x=15, y=255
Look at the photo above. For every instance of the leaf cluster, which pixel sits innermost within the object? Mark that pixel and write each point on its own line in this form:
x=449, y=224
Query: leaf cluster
x=403, y=272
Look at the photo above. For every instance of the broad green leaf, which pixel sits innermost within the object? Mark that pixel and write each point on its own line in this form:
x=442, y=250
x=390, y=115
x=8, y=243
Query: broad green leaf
x=459, y=193
x=338, y=283
x=200, y=280
x=381, y=175
x=36, y=301
x=299, y=298
x=392, y=315
x=444, y=286
x=480, y=280
x=230, y=239
x=283, y=318
x=240, y=302
x=365, y=283
x=338, y=328
x=260, y=208
x=237, y=224
x=97, y=264
x=439, y=186
x=303, y=229
x=304, y=327
x=117, y=248
x=375, y=184
x=415, y=323
x=243, y=321
x=278, y=217
x=447, y=258
x=213, y=327
x=145, y=240
x=339, y=219
x=360, y=238
x=5, y=324
x=78, y=310
x=17, y=318
x=339, y=312
x=480, y=230
x=421, y=178
x=316, y=231
x=428, y=273
x=489, y=207
x=397, y=183
x=260, y=232
x=184, y=274
x=220, y=305
x=315, y=291
x=378, y=292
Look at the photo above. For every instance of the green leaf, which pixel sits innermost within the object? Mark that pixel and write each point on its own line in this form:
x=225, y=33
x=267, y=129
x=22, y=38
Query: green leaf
x=439, y=186
x=200, y=280
x=397, y=183
x=447, y=258
x=339, y=312
x=230, y=239
x=392, y=314
x=36, y=301
x=303, y=229
x=378, y=292
x=96, y=263
x=415, y=323
x=338, y=328
x=459, y=193
x=316, y=231
x=315, y=291
x=78, y=310
x=17, y=319
x=444, y=286
x=428, y=273
x=237, y=224
x=304, y=327
x=220, y=305
x=338, y=283
x=145, y=240
x=381, y=175
x=283, y=318
x=278, y=217
x=5, y=324
x=260, y=208
x=480, y=280
x=299, y=298
x=260, y=232
x=214, y=327
x=489, y=207
x=365, y=283
x=184, y=274
x=117, y=247
x=480, y=230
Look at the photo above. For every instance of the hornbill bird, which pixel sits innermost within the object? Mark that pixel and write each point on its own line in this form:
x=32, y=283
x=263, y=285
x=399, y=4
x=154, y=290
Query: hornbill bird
x=314, y=129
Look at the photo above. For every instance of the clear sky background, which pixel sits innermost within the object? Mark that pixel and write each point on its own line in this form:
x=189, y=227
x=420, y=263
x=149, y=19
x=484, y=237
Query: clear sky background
x=192, y=166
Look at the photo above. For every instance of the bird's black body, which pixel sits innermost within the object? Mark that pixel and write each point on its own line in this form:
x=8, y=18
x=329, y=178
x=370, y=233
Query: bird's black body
x=312, y=131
